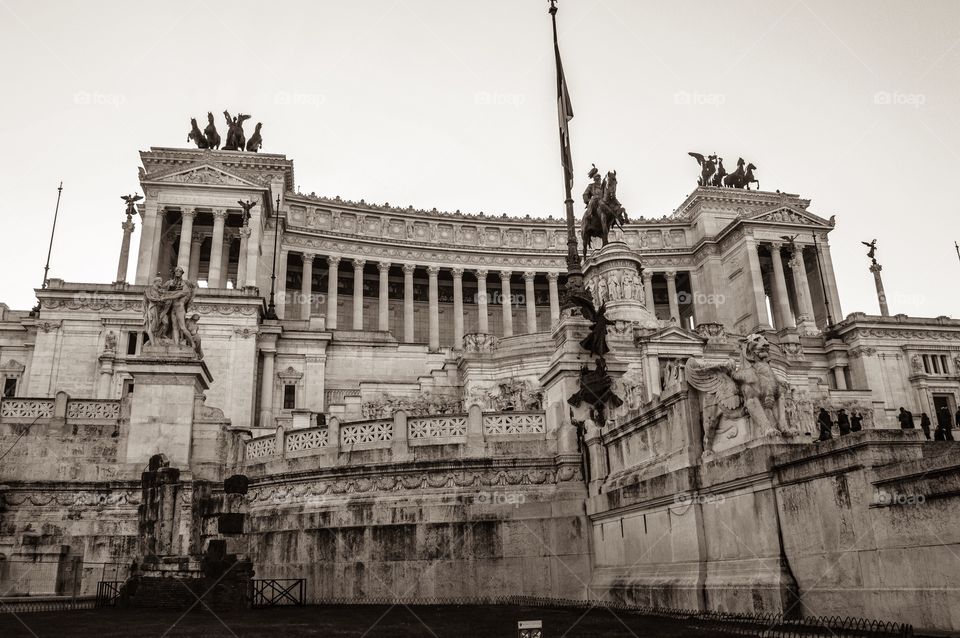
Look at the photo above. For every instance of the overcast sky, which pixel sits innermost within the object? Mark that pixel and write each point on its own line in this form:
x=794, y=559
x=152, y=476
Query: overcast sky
x=446, y=104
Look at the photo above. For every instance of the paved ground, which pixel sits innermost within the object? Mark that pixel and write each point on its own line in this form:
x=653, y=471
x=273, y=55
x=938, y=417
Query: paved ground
x=333, y=622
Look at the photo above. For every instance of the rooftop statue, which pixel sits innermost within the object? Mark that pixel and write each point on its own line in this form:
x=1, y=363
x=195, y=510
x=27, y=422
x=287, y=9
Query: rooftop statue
x=255, y=140
x=872, y=253
x=246, y=206
x=708, y=166
x=236, y=140
x=604, y=210
x=210, y=133
x=742, y=177
x=731, y=391
x=712, y=172
x=131, y=201
x=196, y=135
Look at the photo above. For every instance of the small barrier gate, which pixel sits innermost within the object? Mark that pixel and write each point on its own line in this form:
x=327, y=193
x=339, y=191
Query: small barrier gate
x=108, y=593
x=275, y=592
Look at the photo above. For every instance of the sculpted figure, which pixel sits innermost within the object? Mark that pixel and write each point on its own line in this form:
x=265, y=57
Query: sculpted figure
x=596, y=390
x=179, y=292
x=720, y=174
x=603, y=209
x=236, y=140
x=255, y=140
x=602, y=291
x=156, y=311
x=742, y=177
x=708, y=166
x=246, y=206
x=165, y=308
x=193, y=329
x=196, y=135
x=210, y=133
x=872, y=253
x=730, y=391
x=131, y=201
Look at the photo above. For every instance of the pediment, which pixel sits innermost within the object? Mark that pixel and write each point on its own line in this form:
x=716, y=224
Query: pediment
x=789, y=215
x=205, y=174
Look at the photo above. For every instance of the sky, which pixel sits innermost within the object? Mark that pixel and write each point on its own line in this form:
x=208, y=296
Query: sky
x=452, y=105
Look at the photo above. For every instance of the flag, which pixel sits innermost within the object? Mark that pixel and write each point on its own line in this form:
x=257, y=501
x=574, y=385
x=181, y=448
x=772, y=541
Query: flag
x=565, y=114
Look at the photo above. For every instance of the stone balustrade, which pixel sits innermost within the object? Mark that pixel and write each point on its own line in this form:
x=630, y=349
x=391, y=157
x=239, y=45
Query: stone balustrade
x=19, y=410
x=399, y=434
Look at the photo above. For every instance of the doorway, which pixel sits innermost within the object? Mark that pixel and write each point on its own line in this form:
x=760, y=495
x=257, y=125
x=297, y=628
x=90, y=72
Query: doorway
x=943, y=403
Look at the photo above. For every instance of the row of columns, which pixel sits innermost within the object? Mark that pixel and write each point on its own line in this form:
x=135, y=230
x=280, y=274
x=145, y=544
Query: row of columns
x=433, y=272
x=783, y=315
x=188, y=256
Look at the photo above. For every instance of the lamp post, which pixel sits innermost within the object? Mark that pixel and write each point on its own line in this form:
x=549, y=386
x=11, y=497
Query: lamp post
x=271, y=307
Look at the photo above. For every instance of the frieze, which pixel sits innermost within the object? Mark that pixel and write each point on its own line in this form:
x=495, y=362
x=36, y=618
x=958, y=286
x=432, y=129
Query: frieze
x=83, y=498
x=900, y=333
x=224, y=309
x=465, y=479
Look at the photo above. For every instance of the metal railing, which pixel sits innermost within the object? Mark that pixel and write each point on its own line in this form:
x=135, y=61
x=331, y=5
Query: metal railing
x=108, y=593
x=277, y=592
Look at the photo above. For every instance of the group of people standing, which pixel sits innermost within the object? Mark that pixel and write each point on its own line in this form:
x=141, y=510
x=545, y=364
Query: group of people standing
x=945, y=421
x=845, y=422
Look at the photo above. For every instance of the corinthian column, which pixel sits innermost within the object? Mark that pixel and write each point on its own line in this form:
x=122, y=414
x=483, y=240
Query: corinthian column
x=457, y=308
x=505, y=301
x=127, y=227
x=434, y=295
x=333, y=274
x=358, y=265
x=186, y=237
x=672, y=294
x=215, y=276
x=780, y=288
x=648, y=292
x=408, y=302
x=193, y=274
x=483, y=323
x=804, y=304
x=242, y=263
x=530, y=292
x=383, y=306
x=306, y=286
x=554, y=298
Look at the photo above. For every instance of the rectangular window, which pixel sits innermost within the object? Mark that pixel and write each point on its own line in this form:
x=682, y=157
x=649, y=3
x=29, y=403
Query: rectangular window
x=289, y=397
x=132, y=342
x=127, y=388
x=10, y=387
x=926, y=364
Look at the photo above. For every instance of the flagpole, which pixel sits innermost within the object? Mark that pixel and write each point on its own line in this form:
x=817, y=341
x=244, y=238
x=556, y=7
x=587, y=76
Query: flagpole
x=56, y=211
x=574, y=275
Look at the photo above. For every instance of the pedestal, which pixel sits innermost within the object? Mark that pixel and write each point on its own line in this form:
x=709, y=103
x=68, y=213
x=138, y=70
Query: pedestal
x=612, y=274
x=167, y=381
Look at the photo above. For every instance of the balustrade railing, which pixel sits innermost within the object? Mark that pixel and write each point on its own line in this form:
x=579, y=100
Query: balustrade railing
x=437, y=429
x=15, y=409
x=93, y=409
x=25, y=410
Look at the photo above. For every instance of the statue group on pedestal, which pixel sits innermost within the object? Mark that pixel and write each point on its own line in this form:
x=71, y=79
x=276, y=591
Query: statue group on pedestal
x=733, y=391
x=236, y=139
x=712, y=172
x=165, y=307
x=604, y=211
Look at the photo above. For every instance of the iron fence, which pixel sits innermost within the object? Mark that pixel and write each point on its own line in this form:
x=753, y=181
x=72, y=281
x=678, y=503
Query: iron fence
x=275, y=592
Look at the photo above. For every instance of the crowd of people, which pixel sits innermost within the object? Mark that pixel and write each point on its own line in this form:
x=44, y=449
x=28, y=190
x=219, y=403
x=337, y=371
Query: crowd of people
x=854, y=423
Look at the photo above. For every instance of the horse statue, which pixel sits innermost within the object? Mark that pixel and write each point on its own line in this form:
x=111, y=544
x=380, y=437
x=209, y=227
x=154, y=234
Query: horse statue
x=196, y=135
x=603, y=211
x=742, y=177
x=255, y=140
x=720, y=174
x=210, y=133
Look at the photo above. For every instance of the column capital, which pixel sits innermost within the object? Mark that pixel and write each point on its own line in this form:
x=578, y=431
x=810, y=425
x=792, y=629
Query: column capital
x=189, y=212
x=481, y=274
x=384, y=266
x=198, y=237
x=553, y=276
x=506, y=274
x=776, y=245
x=307, y=258
x=647, y=275
x=433, y=271
x=529, y=275
x=219, y=213
x=128, y=226
x=409, y=268
x=457, y=273
x=670, y=274
x=230, y=233
x=333, y=261
x=358, y=264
